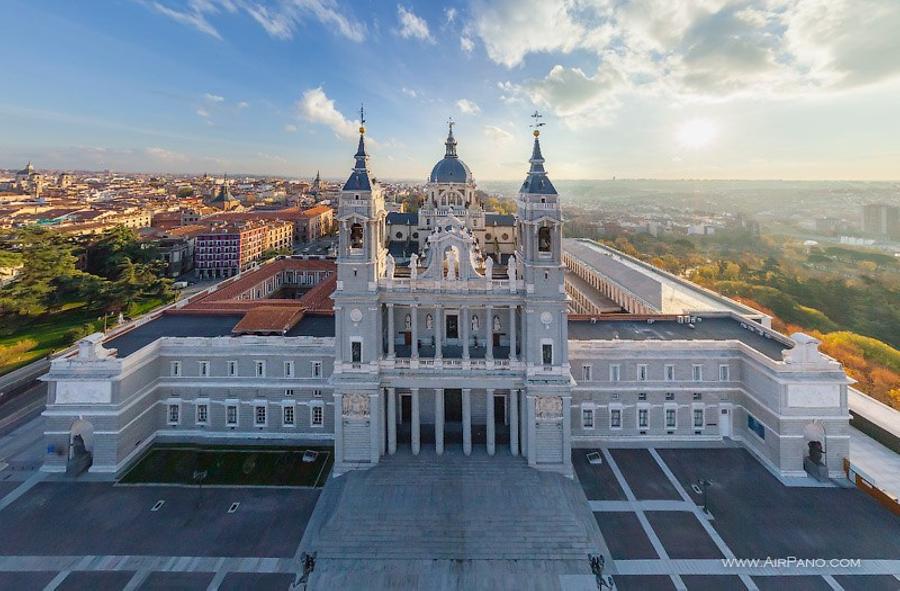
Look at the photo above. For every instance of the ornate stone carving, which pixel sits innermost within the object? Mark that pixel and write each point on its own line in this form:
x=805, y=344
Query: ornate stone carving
x=548, y=408
x=356, y=315
x=546, y=318
x=355, y=406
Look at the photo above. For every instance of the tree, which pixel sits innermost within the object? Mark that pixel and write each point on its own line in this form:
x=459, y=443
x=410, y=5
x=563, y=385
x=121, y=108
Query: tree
x=47, y=271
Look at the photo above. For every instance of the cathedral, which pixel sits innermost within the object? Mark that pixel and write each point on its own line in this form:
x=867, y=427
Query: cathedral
x=530, y=347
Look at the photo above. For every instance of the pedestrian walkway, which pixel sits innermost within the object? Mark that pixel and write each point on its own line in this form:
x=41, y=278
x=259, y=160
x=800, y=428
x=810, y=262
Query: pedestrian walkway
x=875, y=462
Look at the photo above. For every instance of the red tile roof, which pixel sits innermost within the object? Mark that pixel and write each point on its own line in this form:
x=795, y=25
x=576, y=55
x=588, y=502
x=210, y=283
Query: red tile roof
x=268, y=320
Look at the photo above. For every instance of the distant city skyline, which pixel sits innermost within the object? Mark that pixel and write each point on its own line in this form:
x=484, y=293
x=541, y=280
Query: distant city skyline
x=718, y=89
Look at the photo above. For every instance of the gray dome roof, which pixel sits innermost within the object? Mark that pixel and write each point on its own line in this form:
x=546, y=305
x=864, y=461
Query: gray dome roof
x=451, y=170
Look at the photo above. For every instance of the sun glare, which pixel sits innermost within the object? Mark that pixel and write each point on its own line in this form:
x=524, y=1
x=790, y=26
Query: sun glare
x=696, y=133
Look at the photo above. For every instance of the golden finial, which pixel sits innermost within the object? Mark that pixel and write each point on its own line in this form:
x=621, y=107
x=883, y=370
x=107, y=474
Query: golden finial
x=537, y=123
x=362, y=120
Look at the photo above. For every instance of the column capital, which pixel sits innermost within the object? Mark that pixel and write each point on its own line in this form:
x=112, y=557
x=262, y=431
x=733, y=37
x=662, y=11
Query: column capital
x=389, y=304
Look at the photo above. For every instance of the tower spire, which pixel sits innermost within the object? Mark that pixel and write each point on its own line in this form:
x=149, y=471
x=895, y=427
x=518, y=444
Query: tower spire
x=359, y=178
x=537, y=182
x=451, y=141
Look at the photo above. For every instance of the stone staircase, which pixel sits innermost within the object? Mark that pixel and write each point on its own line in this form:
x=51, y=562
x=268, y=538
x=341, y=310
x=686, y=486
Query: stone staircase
x=455, y=508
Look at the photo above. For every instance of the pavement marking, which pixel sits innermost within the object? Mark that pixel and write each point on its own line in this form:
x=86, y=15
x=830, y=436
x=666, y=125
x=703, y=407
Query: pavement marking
x=57, y=580
x=645, y=524
x=158, y=505
x=652, y=505
x=137, y=580
x=234, y=507
x=21, y=489
x=832, y=583
x=217, y=580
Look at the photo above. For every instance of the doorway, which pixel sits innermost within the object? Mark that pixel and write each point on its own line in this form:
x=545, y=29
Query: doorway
x=452, y=326
x=725, y=420
x=453, y=416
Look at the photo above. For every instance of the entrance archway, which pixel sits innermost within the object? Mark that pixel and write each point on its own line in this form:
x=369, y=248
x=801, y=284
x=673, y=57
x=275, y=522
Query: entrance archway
x=81, y=447
x=813, y=433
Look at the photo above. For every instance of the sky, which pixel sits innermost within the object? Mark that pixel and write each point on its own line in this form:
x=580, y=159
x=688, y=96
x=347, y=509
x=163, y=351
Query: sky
x=736, y=89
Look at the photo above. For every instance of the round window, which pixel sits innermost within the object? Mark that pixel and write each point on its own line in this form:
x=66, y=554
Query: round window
x=399, y=234
x=487, y=236
x=506, y=236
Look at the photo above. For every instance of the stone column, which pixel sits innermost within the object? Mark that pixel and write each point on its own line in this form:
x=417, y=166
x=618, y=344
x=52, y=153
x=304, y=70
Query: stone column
x=438, y=330
x=392, y=421
x=416, y=439
x=567, y=430
x=489, y=331
x=439, y=421
x=467, y=420
x=512, y=332
x=523, y=424
x=382, y=423
x=414, y=316
x=530, y=417
x=338, y=428
x=514, y=422
x=374, y=428
x=491, y=435
x=466, y=320
x=391, y=333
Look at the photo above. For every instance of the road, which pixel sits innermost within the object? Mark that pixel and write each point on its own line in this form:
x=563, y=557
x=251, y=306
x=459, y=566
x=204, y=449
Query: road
x=22, y=407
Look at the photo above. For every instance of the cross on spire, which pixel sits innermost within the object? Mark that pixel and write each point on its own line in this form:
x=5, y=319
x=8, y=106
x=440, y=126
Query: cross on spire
x=537, y=123
x=362, y=114
x=450, y=124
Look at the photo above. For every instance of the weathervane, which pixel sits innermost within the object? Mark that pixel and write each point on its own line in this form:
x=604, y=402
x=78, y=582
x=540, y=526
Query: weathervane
x=537, y=123
x=362, y=119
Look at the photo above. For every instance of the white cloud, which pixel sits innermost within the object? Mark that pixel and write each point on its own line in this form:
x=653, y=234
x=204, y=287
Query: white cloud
x=450, y=14
x=243, y=105
x=290, y=128
x=409, y=92
x=497, y=134
x=214, y=98
x=511, y=29
x=165, y=155
x=466, y=43
x=280, y=20
x=710, y=50
x=203, y=112
x=468, y=107
x=315, y=106
x=412, y=26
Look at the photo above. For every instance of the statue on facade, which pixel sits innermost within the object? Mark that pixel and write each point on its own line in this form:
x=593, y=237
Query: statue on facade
x=474, y=322
x=815, y=452
x=511, y=268
x=451, y=264
x=489, y=267
x=389, y=270
x=428, y=321
x=407, y=322
x=413, y=265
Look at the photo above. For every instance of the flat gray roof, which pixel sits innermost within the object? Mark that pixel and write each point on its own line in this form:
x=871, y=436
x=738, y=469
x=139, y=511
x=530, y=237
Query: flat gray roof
x=211, y=325
x=708, y=329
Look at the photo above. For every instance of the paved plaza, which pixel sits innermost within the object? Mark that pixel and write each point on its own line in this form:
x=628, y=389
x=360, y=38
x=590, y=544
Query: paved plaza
x=454, y=522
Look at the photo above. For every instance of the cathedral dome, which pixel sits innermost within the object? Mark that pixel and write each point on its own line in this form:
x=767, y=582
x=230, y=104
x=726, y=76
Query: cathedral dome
x=451, y=169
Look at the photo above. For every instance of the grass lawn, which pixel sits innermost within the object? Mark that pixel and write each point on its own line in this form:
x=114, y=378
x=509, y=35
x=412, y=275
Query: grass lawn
x=232, y=465
x=50, y=332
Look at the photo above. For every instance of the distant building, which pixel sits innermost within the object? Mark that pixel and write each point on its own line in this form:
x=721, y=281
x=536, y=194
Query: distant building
x=314, y=223
x=224, y=200
x=880, y=219
x=228, y=248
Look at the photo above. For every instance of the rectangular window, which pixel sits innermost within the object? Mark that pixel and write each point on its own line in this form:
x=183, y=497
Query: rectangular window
x=615, y=418
x=174, y=413
x=175, y=368
x=231, y=415
x=287, y=416
x=669, y=373
x=642, y=396
x=642, y=373
x=356, y=352
x=754, y=425
x=316, y=415
x=547, y=353
x=289, y=392
x=670, y=418
x=587, y=418
x=643, y=418
x=288, y=369
x=317, y=369
x=586, y=373
x=204, y=369
x=670, y=396
x=260, y=369
x=615, y=372
x=697, y=373
x=698, y=396
x=259, y=415
x=202, y=414
x=724, y=373
x=698, y=417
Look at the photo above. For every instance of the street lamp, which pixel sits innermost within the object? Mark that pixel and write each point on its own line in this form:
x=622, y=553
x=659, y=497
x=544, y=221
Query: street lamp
x=704, y=484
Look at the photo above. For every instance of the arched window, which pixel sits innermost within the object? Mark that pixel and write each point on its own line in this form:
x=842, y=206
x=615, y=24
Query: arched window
x=544, y=239
x=356, y=236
